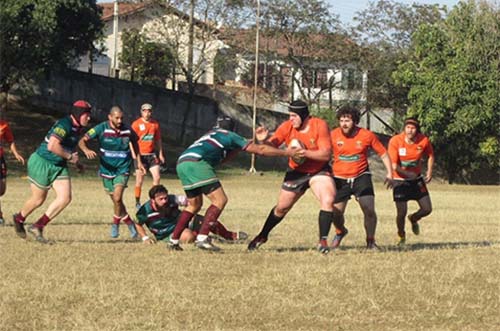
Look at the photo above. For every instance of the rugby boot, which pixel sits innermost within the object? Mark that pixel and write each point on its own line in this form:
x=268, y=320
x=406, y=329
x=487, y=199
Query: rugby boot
x=115, y=230
x=338, y=238
x=256, y=243
x=19, y=227
x=323, y=247
x=206, y=245
x=37, y=233
x=133, y=231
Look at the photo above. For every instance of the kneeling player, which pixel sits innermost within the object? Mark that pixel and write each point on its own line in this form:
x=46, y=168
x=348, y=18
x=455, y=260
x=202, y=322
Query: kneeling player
x=160, y=215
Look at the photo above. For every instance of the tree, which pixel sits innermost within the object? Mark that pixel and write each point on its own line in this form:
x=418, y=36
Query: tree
x=145, y=61
x=384, y=30
x=38, y=35
x=453, y=76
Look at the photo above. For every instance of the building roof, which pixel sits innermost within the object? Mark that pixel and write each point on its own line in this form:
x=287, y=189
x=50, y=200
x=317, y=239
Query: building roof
x=124, y=9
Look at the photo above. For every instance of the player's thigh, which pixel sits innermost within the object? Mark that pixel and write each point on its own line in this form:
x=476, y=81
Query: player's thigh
x=218, y=197
x=155, y=173
x=286, y=200
x=425, y=203
x=3, y=186
x=323, y=189
x=401, y=208
x=62, y=188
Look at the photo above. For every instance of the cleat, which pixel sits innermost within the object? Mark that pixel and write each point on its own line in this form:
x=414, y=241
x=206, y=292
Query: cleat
x=237, y=238
x=240, y=236
x=115, y=230
x=20, y=231
x=415, y=227
x=372, y=246
x=2, y=221
x=206, y=245
x=137, y=206
x=338, y=239
x=401, y=241
x=256, y=243
x=37, y=233
x=133, y=231
x=173, y=247
x=323, y=247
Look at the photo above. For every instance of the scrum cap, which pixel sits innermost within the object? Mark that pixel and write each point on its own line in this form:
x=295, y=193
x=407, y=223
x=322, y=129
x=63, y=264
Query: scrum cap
x=79, y=108
x=225, y=122
x=300, y=108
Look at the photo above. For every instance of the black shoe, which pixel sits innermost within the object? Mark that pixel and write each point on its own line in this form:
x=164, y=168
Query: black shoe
x=37, y=234
x=173, y=247
x=256, y=243
x=20, y=231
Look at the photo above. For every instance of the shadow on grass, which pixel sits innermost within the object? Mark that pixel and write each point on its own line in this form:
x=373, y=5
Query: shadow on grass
x=394, y=248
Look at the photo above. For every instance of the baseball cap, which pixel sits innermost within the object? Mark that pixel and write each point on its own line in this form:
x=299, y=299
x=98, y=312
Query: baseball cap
x=146, y=106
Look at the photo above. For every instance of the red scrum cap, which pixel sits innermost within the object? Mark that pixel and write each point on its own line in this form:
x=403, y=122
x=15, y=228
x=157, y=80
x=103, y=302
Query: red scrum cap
x=79, y=108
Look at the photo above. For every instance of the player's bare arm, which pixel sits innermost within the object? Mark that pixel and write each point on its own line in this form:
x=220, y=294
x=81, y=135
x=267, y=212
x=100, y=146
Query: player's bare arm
x=268, y=150
x=82, y=144
x=54, y=146
x=159, y=146
x=318, y=155
x=14, y=151
x=386, y=160
x=134, y=149
x=430, y=166
x=142, y=234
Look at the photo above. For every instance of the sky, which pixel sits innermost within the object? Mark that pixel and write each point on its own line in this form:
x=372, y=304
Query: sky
x=346, y=8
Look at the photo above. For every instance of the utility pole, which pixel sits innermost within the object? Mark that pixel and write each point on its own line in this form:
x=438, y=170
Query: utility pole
x=114, y=67
x=255, y=84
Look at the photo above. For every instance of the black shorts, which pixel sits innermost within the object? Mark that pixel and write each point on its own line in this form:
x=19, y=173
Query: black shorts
x=358, y=186
x=3, y=168
x=298, y=182
x=207, y=189
x=405, y=190
x=149, y=161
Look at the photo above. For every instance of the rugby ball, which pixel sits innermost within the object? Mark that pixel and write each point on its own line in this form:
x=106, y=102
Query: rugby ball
x=294, y=144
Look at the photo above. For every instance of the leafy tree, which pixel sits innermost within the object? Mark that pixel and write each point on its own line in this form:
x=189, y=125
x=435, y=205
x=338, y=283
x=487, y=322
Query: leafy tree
x=38, y=35
x=453, y=76
x=385, y=29
x=145, y=61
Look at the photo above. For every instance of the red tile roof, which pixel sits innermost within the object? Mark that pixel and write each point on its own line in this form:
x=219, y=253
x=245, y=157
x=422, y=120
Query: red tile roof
x=123, y=9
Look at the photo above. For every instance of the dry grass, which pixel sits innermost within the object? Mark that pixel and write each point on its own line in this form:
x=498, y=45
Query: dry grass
x=448, y=278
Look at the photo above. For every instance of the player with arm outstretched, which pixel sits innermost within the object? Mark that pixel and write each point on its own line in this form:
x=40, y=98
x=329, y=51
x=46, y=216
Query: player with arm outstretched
x=308, y=169
x=195, y=168
x=407, y=151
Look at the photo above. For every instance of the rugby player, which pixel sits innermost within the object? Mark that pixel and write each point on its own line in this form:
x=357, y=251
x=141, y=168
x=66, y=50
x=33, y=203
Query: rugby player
x=311, y=170
x=195, y=168
x=48, y=167
x=350, y=144
x=160, y=215
x=148, y=132
x=115, y=158
x=407, y=151
x=6, y=136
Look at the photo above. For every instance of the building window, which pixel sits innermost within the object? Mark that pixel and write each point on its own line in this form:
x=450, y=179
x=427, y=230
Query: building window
x=352, y=79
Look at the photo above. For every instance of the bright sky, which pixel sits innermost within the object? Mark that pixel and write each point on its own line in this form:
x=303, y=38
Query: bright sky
x=346, y=8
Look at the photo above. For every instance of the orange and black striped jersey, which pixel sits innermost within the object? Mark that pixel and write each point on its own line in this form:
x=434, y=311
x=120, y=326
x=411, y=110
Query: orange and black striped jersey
x=350, y=154
x=315, y=138
x=409, y=156
x=148, y=133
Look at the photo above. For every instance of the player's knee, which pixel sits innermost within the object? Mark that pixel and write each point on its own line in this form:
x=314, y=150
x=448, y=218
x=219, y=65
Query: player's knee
x=426, y=210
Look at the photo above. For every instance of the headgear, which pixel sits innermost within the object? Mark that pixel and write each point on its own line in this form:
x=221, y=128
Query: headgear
x=79, y=108
x=225, y=122
x=413, y=121
x=300, y=108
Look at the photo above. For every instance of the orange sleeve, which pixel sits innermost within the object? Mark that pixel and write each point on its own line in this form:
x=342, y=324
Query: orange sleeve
x=6, y=133
x=281, y=134
x=135, y=126
x=428, y=149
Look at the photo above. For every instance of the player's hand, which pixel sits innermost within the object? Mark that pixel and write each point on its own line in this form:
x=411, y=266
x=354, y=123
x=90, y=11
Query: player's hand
x=140, y=167
x=19, y=158
x=428, y=178
x=388, y=182
x=90, y=154
x=295, y=152
x=150, y=241
x=261, y=133
x=74, y=158
x=162, y=159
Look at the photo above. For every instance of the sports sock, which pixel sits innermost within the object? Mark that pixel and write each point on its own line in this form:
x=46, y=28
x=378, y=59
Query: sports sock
x=137, y=193
x=182, y=222
x=42, y=222
x=211, y=216
x=338, y=222
x=19, y=218
x=219, y=229
x=325, y=223
x=402, y=234
x=116, y=219
x=127, y=220
x=271, y=221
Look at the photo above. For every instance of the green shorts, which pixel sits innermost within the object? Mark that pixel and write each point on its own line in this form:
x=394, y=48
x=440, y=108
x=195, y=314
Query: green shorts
x=110, y=183
x=43, y=173
x=195, y=174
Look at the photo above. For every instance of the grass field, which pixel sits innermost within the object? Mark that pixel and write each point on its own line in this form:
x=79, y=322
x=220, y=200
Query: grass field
x=448, y=278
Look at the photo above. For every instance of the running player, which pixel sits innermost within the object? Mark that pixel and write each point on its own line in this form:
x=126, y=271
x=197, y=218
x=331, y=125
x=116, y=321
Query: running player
x=116, y=140
x=407, y=150
x=160, y=215
x=195, y=168
x=352, y=175
x=6, y=136
x=48, y=167
x=148, y=132
x=311, y=170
